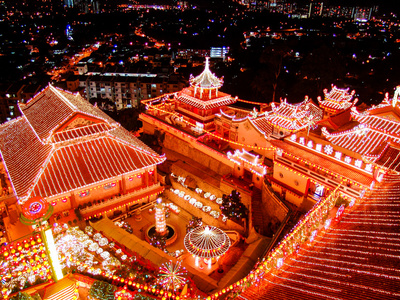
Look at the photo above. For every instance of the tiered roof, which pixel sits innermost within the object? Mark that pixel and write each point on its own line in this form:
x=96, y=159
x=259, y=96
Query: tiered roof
x=62, y=143
x=337, y=100
x=203, y=91
x=207, y=79
x=376, y=137
x=290, y=117
x=187, y=96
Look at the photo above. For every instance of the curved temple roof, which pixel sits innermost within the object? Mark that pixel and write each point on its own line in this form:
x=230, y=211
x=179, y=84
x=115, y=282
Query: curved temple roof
x=62, y=143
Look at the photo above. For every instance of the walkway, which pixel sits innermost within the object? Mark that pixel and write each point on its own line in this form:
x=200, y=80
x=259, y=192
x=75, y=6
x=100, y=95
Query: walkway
x=359, y=258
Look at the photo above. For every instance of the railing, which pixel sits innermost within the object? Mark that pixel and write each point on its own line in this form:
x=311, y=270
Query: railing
x=284, y=222
x=188, y=112
x=132, y=212
x=118, y=199
x=304, y=231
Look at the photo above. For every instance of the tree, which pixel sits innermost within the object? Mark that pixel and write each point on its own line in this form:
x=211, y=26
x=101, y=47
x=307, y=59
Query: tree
x=232, y=206
x=323, y=66
x=22, y=296
x=101, y=290
x=159, y=241
x=270, y=67
x=193, y=223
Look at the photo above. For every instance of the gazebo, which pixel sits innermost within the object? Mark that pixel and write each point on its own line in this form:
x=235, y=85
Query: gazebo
x=207, y=242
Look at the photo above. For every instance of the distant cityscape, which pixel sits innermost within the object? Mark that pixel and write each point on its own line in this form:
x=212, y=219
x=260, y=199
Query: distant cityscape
x=123, y=51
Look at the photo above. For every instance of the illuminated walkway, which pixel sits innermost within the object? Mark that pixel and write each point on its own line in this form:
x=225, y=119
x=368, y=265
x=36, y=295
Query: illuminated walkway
x=359, y=258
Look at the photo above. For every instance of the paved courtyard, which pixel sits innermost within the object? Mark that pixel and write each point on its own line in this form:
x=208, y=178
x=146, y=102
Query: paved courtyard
x=178, y=222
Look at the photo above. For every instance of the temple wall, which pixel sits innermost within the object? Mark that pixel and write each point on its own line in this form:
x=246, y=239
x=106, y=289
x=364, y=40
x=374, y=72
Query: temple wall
x=214, y=161
x=288, y=177
x=135, y=181
x=292, y=198
x=97, y=192
x=248, y=135
x=271, y=205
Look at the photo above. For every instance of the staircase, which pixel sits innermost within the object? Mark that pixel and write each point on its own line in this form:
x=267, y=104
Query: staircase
x=257, y=215
x=359, y=258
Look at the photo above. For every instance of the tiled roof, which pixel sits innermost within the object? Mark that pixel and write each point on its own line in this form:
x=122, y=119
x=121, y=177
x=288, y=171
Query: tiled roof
x=362, y=140
x=263, y=125
x=356, y=258
x=383, y=123
x=388, y=158
x=289, y=116
x=23, y=154
x=75, y=133
x=51, y=107
x=86, y=163
x=185, y=96
x=41, y=164
x=337, y=99
x=323, y=162
x=370, y=137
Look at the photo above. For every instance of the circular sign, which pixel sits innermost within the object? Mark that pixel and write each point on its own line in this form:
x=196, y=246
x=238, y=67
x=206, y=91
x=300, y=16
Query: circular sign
x=35, y=208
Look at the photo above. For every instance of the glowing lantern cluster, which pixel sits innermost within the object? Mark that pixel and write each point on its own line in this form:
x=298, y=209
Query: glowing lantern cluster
x=23, y=263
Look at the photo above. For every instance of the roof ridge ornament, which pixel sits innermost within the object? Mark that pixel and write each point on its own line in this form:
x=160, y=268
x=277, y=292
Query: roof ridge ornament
x=206, y=79
x=396, y=96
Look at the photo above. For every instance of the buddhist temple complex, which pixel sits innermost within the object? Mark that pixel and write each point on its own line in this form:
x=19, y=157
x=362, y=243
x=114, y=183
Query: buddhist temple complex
x=289, y=200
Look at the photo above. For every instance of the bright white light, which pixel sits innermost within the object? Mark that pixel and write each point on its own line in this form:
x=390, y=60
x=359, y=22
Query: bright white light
x=53, y=254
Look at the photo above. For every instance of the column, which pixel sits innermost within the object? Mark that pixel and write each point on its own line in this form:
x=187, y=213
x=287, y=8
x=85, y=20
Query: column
x=122, y=186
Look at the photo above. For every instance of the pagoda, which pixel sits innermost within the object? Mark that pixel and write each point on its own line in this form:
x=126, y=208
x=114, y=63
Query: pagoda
x=337, y=101
x=199, y=102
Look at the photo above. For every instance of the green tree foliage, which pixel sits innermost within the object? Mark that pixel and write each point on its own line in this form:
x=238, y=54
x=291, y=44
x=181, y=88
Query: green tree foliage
x=22, y=296
x=193, y=223
x=101, y=290
x=232, y=206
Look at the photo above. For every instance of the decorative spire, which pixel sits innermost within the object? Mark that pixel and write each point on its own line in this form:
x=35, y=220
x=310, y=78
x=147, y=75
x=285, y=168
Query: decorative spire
x=206, y=80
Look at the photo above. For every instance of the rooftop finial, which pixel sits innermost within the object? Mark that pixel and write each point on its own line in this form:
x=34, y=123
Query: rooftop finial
x=206, y=79
x=207, y=66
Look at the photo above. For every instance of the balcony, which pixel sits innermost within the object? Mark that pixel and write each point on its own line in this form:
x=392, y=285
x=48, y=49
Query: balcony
x=119, y=199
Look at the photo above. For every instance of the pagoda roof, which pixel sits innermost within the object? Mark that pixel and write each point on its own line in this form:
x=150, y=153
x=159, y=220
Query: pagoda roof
x=323, y=162
x=337, y=100
x=263, y=125
x=207, y=79
x=47, y=110
x=360, y=139
x=378, y=126
x=186, y=96
x=290, y=117
x=67, y=151
x=388, y=158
